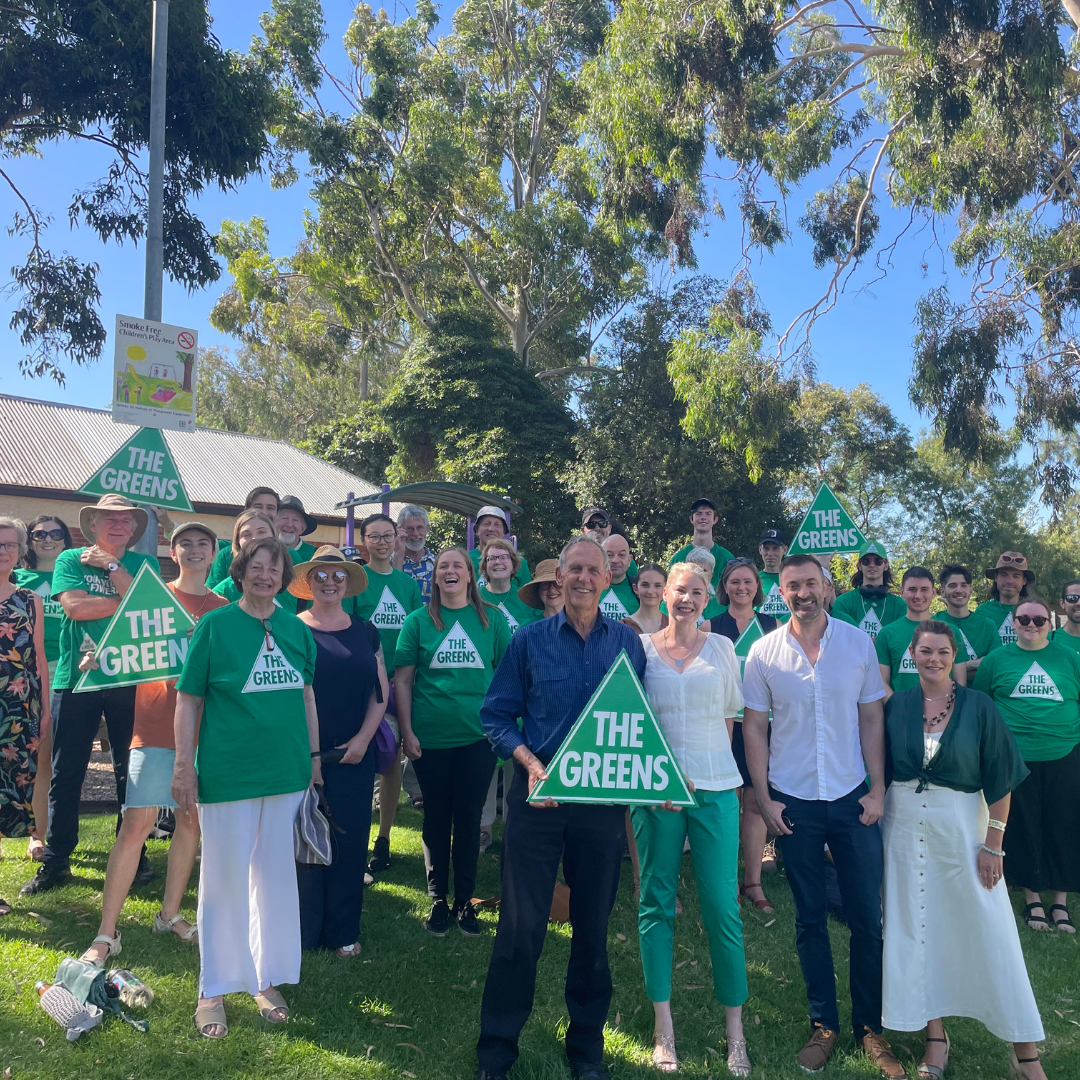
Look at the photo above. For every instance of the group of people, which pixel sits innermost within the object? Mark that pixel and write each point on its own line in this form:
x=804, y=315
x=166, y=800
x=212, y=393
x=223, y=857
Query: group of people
x=878, y=742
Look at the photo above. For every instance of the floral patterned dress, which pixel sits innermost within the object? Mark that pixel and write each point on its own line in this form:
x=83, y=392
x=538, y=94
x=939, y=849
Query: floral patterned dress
x=20, y=712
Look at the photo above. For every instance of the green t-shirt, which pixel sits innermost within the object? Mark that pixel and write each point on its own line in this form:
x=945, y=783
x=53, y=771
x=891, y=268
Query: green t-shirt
x=40, y=582
x=219, y=571
x=522, y=577
x=1001, y=615
x=453, y=670
x=774, y=604
x=385, y=603
x=1070, y=641
x=253, y=738
x=228, y=589
x=975, y=635
x=514, y=609
x=869, y=615
x=893, y=646
x=619, y=601
x=720, y=554
x=69, y=573
x=1038, y=693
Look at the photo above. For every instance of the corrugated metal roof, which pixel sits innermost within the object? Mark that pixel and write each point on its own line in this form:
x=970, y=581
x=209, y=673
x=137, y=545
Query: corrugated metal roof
x=44, y=444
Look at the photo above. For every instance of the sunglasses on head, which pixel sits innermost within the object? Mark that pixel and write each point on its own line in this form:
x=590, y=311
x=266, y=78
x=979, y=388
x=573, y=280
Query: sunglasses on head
x=321, y=577
x=872, y=560
x=1018, y=559
x=1026, y=620
x=47, y=534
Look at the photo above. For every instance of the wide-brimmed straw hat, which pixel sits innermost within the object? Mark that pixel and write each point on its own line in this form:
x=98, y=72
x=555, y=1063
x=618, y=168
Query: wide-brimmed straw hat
x=529, y=593
x=114, y=504
x=1011, y=560
x=328, y=557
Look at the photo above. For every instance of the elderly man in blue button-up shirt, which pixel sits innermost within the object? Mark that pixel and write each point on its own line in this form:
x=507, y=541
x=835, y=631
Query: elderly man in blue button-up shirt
x=546, y=678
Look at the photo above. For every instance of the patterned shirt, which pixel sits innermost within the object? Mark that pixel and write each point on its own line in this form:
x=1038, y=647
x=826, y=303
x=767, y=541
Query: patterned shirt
x=420, y=570
x=546, y=677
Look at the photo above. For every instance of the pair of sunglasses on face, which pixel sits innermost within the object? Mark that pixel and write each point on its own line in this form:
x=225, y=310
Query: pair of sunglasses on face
x=871, y=560
x=47, y=534
x=1039, y=620
x=321, y=577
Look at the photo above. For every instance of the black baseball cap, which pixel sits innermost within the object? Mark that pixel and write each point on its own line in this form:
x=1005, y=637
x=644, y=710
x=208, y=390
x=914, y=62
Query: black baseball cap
x=704, y=502
x=594, y=511
x=773, y=536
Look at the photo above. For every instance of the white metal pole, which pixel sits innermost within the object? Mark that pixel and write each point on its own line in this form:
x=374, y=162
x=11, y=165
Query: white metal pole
x=155, y=213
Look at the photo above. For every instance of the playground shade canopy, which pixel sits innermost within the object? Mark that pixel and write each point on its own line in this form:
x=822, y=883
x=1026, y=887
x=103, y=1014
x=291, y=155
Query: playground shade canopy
x=461, y=499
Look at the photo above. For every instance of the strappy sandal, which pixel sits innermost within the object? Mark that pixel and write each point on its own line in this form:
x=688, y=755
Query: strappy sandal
x=1015, y=1063
x=208, y=1016
x=270, y=1001
x=347, y=952
x=935, y=1072
x=664, y=1058
x=168, y=926
x=114, y=949
x=738, y=1060
x=1064, y=925
x=762, y=904
x=1036, y=922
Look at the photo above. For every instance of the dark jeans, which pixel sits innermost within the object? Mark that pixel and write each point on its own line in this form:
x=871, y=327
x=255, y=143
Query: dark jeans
x=332, y=897
x=74, y=724
x=454, y=783
x=857, y=856
x=589, y=840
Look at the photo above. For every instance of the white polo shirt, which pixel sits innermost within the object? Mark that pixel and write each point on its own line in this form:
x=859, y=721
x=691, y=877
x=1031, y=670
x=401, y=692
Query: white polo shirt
x=815, y=751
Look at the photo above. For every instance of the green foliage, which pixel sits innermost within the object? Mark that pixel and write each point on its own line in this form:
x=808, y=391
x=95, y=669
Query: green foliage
x=76, y=70
x=841, y=222
x=358, y=440
x=633, y=455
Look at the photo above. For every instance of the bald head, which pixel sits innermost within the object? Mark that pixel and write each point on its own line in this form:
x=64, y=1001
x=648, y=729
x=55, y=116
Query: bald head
x=618, y=552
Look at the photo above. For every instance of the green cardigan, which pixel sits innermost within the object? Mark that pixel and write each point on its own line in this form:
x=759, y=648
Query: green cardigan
x=977, y=751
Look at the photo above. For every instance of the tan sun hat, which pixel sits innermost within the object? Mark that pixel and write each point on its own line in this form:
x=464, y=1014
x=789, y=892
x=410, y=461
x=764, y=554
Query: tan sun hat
x=357, y=579
x=529, y=593
x=495, y=512
x=114, y=504
x=192, y=526
x=1012, y=560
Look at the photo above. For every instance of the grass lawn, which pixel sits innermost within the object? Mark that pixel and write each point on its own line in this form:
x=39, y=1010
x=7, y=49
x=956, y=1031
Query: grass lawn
x=409, y=1006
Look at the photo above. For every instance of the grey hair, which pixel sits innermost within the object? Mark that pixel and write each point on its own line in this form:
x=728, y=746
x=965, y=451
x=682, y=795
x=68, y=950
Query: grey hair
x=583, y=540
x=701, y=556
x=20, y=530
x=412, y=511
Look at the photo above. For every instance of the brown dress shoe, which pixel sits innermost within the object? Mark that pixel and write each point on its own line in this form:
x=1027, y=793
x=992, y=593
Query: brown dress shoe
x=876, y=1047
x=814, y=1056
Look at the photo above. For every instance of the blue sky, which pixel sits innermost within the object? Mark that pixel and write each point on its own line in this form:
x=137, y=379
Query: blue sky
x=866, y=338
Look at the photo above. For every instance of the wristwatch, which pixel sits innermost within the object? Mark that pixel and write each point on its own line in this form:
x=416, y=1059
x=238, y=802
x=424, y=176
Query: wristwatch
x=113, y=567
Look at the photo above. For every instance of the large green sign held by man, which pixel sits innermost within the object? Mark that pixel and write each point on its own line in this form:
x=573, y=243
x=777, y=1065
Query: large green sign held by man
x=616, y=751
x=145, y=641
x=143, y=469
x=827, y=528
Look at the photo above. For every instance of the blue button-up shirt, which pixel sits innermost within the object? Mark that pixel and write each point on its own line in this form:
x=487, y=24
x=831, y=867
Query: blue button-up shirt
x=546, y=678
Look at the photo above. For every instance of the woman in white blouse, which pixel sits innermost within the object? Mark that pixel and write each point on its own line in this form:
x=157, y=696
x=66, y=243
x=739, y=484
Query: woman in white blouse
x=692, y=680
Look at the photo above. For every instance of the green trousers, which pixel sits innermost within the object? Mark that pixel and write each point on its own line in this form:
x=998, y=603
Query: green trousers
x=713, y=828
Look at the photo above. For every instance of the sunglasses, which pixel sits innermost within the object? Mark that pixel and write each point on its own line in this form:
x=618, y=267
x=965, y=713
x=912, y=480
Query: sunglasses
x=47, y=534
x=1019, y=560
x=1026, y=620
x=871, y=560
x=321, y=577
x=1071, y=598
x=597, y=523
x=270, y=643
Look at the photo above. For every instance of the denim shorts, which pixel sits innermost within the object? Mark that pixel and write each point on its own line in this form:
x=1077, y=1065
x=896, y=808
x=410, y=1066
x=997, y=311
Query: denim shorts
x=150, y=774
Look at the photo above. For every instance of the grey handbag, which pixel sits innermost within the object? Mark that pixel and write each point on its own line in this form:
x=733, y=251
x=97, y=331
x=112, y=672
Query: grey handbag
x=313, y=842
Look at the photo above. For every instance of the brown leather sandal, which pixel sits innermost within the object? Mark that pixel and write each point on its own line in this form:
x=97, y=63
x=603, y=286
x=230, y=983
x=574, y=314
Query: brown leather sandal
x=762, y=904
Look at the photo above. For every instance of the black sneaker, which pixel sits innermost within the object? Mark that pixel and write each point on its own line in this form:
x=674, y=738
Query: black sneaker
x=467, y=921
x=49, y=875
x=483, y=1074
x=438, y=920
x=380, y=855
x=145, y=874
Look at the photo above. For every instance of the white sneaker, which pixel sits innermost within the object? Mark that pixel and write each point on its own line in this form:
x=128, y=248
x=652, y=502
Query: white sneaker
x=485, y=840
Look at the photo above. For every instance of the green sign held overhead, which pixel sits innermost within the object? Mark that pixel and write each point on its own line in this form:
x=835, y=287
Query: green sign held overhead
x=143, y=469
x=827, y=528
x=145, y=641
x=616, y=751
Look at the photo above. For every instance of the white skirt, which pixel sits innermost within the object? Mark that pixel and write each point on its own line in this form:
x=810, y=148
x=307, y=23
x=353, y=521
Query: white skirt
x=951, y=946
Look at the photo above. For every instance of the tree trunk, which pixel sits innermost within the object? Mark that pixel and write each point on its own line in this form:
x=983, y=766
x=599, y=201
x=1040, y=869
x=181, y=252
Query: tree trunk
x=189, y=363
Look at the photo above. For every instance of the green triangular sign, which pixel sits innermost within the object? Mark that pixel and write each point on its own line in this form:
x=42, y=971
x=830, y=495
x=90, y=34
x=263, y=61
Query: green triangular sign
x=143, y=469
x=616, y=751
x=827, y=528
x=145, y=641
x=747, y=638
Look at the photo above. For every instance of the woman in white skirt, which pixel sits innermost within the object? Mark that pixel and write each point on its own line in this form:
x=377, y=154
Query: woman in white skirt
x=951, y=946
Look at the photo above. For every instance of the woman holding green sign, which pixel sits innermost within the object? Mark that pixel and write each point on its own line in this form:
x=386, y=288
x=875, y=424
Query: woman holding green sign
x=692, y=679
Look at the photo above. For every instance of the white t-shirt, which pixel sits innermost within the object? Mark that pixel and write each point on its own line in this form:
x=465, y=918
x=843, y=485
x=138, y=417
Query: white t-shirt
x=815, y=752
x=692, y=708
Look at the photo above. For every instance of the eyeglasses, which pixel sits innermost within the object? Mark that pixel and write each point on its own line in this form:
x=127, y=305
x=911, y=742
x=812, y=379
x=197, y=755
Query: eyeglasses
x=502, y=557
x=10, y=546
x=1026, y=620
x=381, y=538
x=270, y=644
x=321, y=577
x=1071, y=598
x=47, y=534
x=871, y=560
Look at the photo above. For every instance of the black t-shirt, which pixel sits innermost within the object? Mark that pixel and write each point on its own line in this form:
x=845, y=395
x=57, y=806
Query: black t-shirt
x=346, y=671
x=726, y=626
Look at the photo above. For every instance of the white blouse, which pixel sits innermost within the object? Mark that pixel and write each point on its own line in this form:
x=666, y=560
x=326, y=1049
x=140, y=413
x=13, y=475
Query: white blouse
x=692, y=708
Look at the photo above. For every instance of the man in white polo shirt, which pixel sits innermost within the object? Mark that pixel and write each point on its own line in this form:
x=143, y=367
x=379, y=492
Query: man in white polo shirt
x=820, y=679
